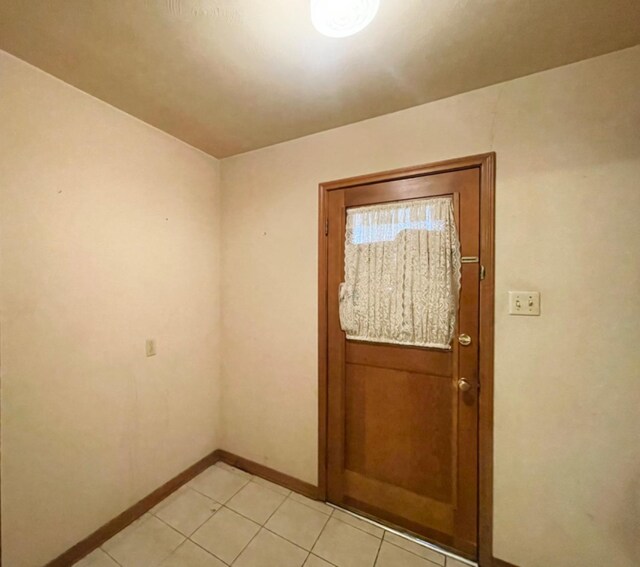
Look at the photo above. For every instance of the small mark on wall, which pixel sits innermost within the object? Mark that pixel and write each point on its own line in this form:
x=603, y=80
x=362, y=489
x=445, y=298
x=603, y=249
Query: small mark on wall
x=198, y=9
x=150, y=347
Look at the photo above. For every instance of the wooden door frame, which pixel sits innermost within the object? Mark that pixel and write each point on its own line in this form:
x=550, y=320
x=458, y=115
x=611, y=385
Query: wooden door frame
x=486, y=165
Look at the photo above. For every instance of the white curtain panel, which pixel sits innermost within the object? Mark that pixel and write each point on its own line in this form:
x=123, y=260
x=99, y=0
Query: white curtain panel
x=402, y=273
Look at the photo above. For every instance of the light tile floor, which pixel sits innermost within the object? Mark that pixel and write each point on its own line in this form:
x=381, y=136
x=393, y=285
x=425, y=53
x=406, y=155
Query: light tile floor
x=226, y=517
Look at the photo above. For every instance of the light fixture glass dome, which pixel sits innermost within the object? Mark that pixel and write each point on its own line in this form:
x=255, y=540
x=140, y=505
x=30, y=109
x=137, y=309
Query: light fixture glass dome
x=341, y=18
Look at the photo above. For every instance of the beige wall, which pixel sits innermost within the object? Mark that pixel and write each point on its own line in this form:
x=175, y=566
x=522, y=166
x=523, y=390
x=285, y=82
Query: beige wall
x=109, y=236
x=567, y=463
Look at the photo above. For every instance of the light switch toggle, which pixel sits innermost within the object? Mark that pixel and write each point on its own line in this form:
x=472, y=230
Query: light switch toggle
x=524, y=303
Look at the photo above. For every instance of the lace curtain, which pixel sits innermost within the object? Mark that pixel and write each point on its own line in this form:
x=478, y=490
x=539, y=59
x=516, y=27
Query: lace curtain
x=402, y=273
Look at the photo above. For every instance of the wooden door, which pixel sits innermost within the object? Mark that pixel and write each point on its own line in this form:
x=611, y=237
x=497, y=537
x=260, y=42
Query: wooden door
x=402, y=425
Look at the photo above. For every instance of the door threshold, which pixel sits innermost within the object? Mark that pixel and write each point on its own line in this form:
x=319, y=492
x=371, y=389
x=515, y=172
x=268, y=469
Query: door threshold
x=406, y=536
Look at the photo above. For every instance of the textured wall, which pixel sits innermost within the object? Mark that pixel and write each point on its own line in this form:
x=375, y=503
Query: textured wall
x=109, y=235
x=567, y=457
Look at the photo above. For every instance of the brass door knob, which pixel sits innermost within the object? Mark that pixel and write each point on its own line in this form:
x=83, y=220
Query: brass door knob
x=464, y=385
x=464, y=340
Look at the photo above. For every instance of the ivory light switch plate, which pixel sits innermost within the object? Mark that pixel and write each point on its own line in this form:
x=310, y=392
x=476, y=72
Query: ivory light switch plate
x=151, y=347
x=524, y=303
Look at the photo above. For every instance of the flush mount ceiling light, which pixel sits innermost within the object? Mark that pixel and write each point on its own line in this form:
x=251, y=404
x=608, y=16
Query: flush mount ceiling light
x=341, y=18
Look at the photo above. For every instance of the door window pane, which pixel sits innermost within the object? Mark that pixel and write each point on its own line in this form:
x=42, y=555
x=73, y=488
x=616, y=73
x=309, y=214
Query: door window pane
x=402, y=273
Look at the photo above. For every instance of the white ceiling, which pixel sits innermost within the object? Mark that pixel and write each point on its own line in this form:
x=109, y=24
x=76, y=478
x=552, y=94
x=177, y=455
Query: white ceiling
x=228, y=76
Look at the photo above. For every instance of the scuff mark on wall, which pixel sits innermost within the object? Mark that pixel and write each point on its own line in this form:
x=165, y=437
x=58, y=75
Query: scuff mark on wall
x=198, y=9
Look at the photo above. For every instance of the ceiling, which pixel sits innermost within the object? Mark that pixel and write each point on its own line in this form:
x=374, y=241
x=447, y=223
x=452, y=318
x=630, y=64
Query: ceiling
x=228, y=76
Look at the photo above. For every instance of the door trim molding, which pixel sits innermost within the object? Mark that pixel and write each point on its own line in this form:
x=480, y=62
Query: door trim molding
x=486, y=164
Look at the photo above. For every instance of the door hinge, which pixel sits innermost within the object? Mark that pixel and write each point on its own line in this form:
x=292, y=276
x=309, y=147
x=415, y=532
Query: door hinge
x=326, y=227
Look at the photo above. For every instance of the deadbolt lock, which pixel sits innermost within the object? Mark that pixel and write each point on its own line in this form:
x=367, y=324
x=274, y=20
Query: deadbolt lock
x=464, y=340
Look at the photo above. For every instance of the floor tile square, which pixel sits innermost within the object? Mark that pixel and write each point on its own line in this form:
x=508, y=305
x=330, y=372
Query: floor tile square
x=346, y=546
x=270, y=550
x=415, y=548
x=146, y=542
x=96, y=559
x=297, y=523
x=218, y=483
x=226, y=534
x=256, y=502
x=392, y=556
x=190, y=555
x=358, y=523
x=187, y=510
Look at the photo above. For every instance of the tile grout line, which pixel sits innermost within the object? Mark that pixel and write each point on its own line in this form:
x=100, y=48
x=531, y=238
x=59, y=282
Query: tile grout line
x=188, y=539
x=290, y=492
x=323, y=559
x=108, y=555
x=101, y=548
x=288, y=540
x=262, y=526
x=417, y=555
x=324, y=527
x=420, y=556
x=205, y=549
x=311, y=507
x=200, y=525
x=177, y=546
x=406, y=537
x=212, y=515
x=248, y=480
x=247, y=545
x=203, y=523
x=356, y=527
x=345, y=523
x=378, y=552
